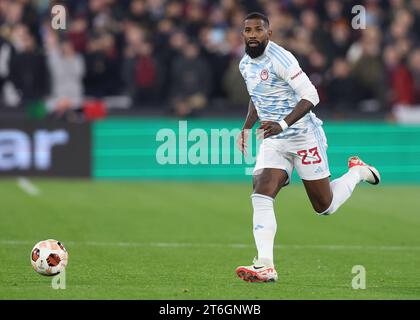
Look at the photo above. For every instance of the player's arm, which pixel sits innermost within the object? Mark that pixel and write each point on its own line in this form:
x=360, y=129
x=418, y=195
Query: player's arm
x=273, y=128
x=251, y=119
x=304, y=88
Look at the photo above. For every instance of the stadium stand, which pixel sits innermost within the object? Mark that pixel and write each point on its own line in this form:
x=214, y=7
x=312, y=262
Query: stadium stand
x=180, y=58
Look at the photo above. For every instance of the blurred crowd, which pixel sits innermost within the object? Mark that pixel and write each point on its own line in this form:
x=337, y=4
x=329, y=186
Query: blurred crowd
x=182, y=56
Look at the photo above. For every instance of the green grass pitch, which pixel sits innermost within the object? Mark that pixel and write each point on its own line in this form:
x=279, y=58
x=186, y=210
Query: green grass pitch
x=158, y=240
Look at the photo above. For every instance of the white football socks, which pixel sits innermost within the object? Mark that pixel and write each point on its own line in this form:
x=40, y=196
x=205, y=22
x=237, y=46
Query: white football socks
x=342, y=189
x=264, y=224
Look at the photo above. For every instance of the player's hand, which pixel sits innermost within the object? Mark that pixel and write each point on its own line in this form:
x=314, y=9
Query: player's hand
x=268, y=129
x=242, y=140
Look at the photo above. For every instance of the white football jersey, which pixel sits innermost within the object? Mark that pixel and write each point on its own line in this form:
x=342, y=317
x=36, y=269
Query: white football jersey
x=274, y=81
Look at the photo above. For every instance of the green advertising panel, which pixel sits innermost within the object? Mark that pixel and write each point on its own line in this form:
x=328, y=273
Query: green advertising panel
x=197, y=149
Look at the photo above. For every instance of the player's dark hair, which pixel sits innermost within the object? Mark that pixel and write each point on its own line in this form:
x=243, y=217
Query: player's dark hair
x=258, y=15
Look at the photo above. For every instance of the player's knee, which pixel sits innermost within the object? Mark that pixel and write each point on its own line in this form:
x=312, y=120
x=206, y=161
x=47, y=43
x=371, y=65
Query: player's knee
x=322, y=206
x=265, y=190
x=265, y=185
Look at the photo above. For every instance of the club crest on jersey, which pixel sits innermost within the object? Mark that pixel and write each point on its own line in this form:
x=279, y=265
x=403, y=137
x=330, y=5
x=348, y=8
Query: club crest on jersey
x=264, y=74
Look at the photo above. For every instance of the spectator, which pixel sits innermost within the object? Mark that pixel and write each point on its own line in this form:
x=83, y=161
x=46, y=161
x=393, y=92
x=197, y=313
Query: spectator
x=195, y=19
x=8, y=95
x=368, y=70
x=11, y=16
x=342, y=88
x=317, y=63
x=66, y=68
x=101, y=17
x=78, y=34
x=318, y=37
x=374, y=13
x=190, y=82
x=334, y=10
x=156, y=9
x=215, y=46
x=234, y=86
x=28, y=69
x=295, y=7
x=340, y=40
x=102, y=67
x=174, y=10
x=415, y=7
x=141, y=74
x=140, y=14
x=300, y=44
x=400, y=80
x=414, y=65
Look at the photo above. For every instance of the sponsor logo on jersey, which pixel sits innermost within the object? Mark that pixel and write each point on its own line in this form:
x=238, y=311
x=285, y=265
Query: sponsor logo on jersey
x=296, y=75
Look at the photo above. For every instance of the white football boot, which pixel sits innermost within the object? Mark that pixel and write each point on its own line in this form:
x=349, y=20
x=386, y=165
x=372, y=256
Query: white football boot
x=368, y=173
x=262, y=270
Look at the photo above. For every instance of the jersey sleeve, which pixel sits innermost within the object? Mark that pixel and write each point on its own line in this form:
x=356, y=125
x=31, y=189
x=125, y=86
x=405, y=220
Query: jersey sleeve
x=287, y=67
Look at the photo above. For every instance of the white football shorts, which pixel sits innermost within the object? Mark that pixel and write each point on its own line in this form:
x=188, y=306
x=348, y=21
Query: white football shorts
x=306, y=152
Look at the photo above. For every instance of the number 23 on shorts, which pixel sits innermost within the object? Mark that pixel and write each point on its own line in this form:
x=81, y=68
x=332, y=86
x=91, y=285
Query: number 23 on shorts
x=313, y=153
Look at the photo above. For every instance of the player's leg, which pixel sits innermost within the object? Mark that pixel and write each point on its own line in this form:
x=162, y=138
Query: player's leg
x=311, y=163
x=271, y=173
x=326, y=197
x=319, y=193
x=267, y=183
x=266, y=186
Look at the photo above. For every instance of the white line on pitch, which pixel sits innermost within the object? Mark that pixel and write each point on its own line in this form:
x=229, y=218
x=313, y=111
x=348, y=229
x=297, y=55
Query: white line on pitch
x=219, y=245
x=28, y=186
